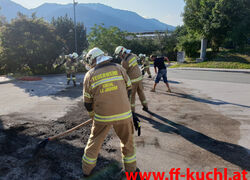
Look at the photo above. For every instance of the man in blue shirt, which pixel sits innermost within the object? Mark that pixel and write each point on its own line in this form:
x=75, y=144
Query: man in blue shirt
x=159, y=62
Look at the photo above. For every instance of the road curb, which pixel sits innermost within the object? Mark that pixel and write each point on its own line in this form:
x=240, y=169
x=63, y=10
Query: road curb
x=216, y=70
x=5, y=79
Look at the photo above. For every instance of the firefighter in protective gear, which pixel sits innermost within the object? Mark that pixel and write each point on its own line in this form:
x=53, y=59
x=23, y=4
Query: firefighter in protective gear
x=106, y=98
x=129, y=62
x=70, y=66
x=145, y=65
x=141, y=56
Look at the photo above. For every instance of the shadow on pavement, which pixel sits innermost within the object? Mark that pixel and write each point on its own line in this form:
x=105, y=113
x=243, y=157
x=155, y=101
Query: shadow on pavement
x=207, y=101
x=172, y=82
x=169, y=81
x=232, y=153
x=59, y=160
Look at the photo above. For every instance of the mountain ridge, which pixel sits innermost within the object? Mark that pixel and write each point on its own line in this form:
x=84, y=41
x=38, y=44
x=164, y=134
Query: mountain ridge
x=90, y=14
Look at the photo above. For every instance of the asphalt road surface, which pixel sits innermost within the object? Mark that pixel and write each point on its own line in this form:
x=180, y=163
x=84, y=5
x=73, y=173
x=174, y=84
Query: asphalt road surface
x=204, y=124
x=233, y=77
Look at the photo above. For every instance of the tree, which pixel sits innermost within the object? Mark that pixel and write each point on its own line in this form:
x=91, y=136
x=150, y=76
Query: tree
x=188, y=42
x=238, y=36
x=212, y=19
x=65, y=29
x=2, y=20
x=142, y=45
x=167, y=44
x=107, y=39
x=31, y=43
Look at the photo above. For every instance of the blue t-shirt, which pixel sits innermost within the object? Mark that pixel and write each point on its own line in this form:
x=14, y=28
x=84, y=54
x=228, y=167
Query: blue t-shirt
x=160, y=63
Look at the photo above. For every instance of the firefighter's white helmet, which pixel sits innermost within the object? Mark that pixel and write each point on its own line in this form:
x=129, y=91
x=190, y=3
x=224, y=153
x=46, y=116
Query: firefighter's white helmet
x=120, y=49
x=141, y=55
x=92, y=54
x=74, y=55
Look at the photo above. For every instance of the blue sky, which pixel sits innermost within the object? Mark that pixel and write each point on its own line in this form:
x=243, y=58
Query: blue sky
x=167, y=11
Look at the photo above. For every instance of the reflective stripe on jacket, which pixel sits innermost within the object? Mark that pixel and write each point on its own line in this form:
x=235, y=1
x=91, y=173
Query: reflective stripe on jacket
x=116, y=117
x=129, y=63
x=137, y=79
x=105, y=87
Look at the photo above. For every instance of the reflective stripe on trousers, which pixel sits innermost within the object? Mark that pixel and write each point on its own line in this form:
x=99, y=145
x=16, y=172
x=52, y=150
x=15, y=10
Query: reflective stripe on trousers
x=129, y=159
x=88, y=160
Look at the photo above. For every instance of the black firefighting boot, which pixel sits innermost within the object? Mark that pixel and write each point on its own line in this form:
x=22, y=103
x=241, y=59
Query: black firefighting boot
x=145, y=108
x=124, y=177
x=74, y=83
x=68, y=82
x=138, y=177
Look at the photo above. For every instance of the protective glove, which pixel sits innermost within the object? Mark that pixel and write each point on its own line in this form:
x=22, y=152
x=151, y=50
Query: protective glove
x=137, y=124
x=91, y=114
